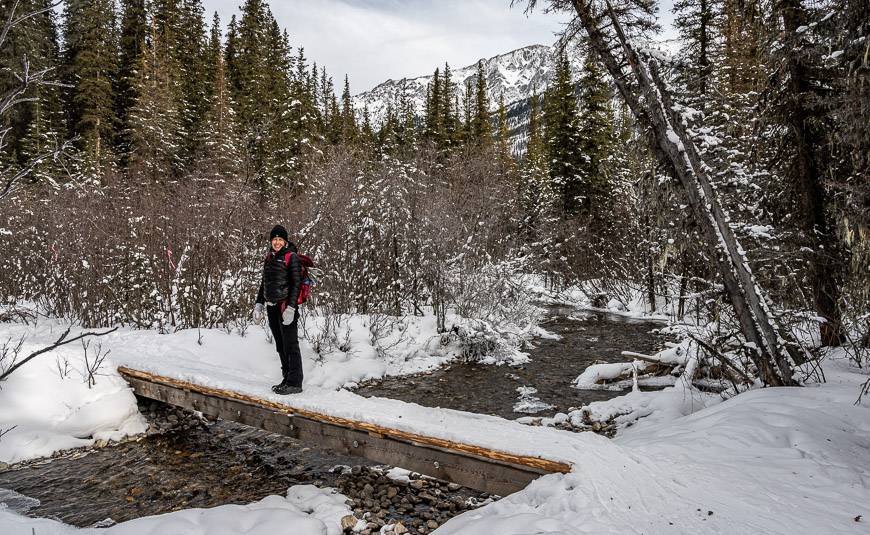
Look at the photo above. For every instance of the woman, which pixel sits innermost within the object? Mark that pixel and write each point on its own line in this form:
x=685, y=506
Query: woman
x=279, y=292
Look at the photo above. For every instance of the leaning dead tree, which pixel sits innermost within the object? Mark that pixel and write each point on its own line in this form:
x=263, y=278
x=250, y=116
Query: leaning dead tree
x=641, y=87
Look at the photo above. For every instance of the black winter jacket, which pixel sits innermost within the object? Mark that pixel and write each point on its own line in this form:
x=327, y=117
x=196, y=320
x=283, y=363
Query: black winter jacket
x=281, y=282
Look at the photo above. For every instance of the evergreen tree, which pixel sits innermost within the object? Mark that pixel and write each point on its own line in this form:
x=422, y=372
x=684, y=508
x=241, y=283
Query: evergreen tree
x=35, y=124
x=348, y=119
x=596, y=137
x=190, y=46
x=405, y=128
x=259, y=69
x=90, y=70
x=155, y=119
x=481, y=126
x=449, y=113
x=503, y=139
x=537, y=195
x=742, y=33
x=366, y=132
x=134, y=30
x=220, y=145
x=305, y=122
x=562, y=127
x=231, y=50
x=696, y=20
x=467, y=111
x=434, y=128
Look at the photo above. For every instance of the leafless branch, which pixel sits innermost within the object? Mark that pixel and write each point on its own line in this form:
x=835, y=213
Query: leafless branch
x=61, y=341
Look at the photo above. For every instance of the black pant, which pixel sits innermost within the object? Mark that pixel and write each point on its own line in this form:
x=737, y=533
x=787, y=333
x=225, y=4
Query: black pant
x=287, y=343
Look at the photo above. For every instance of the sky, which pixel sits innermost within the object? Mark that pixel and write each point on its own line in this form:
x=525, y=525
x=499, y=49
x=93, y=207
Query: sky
x=374, y=40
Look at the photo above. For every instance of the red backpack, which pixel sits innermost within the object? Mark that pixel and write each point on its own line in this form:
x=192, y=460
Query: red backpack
x=308, y=279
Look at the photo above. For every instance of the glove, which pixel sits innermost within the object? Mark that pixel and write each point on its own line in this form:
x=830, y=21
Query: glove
x=289, y=315
x=259, y=312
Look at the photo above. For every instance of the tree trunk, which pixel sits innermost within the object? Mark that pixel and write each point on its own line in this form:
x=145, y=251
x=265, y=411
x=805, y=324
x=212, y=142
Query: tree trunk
x=771, y=356
x=824, y=265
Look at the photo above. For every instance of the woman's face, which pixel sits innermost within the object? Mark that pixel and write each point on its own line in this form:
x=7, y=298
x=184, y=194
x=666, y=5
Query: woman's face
x=278, y=243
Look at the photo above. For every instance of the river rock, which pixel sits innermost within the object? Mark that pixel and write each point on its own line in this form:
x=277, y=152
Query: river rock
x=428, y=497
x=348, y=522
x=392, y=492
x=399, y=528
x=431, y=524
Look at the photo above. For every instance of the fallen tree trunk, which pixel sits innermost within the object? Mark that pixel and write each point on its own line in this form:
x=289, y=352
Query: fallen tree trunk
x=773, y=357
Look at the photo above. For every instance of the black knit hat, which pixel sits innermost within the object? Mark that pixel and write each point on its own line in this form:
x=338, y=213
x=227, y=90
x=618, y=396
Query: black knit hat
x=279, y=232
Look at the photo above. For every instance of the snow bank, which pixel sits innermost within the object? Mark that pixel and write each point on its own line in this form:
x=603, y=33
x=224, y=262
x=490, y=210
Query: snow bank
x=49, y=402
x=306, y=510
x=773, y=461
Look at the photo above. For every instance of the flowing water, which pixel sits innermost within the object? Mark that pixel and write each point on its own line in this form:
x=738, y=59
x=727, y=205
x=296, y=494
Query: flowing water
x=585, y=338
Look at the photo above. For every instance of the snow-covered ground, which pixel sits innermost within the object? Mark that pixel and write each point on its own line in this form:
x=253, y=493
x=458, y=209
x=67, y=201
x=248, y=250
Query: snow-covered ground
x=349, y=350
x=305, y=510
x=776, y=460
x=767, y=461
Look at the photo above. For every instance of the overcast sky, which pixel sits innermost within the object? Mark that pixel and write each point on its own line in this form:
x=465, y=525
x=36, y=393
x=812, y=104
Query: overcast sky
x=373, y=40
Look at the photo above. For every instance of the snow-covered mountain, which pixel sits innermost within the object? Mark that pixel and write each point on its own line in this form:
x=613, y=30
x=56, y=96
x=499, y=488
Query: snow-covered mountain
x=516, y=75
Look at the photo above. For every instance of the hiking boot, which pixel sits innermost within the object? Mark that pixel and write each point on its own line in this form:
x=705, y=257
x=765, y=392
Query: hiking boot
x=286, y=389
x=280, y=385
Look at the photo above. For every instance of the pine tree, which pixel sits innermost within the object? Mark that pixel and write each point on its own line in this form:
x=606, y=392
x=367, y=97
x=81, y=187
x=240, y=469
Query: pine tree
x=467, y=111
x=366, y=132
x=304, y=118
x=503, y=140
x=231, y=51
x=742, y=58
x=155, y=119
x=189, y=44
x=596, y=138
x=448, y=110
x=134, y=29
x=434, y=127
x=220, y=145
x=696, y=21
x=90, y=71
x=481, y=126
x=35, y=125
x=537, y=195
x=562, y=127
x=348, y=117
x=259, y=67
x=405, y=128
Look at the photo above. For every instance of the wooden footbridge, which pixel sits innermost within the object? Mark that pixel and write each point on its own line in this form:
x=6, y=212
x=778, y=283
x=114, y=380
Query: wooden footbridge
x=474, y=466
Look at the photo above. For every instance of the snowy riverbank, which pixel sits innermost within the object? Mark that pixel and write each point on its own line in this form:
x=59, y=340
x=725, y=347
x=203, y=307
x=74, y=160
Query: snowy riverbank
x=767, y=461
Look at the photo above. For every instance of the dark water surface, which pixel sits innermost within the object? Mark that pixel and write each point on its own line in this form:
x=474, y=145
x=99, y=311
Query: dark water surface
x=585, y=338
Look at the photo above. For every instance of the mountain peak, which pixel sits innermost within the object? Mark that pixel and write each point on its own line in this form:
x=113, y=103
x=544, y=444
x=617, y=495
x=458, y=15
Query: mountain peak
x=516, y=75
